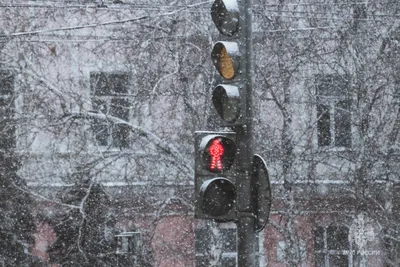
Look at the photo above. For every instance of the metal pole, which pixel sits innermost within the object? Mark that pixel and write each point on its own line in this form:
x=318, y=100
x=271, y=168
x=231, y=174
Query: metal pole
x=247, y=242
x=247, y=237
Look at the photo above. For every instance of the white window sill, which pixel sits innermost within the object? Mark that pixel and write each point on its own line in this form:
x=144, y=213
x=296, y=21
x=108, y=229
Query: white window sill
x=334, y=149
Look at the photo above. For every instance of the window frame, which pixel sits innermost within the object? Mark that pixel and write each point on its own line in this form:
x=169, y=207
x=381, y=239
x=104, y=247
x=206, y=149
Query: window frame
x=107, y=133
x=225, y=255
x=330, y=101
x=128, y=246
x=128, y=242
x=328, y=252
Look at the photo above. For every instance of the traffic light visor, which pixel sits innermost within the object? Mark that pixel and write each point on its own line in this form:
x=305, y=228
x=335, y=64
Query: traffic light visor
x=225, y=57
x=218, y=196
x=218, y=153
x=225, y=15
x=226, y=100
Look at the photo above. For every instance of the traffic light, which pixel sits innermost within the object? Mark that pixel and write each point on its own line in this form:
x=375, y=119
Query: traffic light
x=217, y=193
x=229, y=57
x=224, y=176
x=232, y=95
x=215, y=184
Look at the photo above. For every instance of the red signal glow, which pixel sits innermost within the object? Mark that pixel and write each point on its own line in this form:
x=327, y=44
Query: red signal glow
x=216, y=151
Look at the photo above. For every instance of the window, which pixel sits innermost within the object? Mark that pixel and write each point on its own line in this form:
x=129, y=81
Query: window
x=128, y=247
x=359, y=15
x=332, y=247
x=111, y=97
x=333, y=112
x=359, y=11
x=128, y=242
x=7, y=127
x=205, y=241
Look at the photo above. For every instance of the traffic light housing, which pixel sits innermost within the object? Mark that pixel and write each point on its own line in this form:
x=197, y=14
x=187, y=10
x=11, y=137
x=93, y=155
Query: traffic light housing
x=226, y=192
x=230, y=58
x=218, y=194
x=232, y=94
x=215, y=182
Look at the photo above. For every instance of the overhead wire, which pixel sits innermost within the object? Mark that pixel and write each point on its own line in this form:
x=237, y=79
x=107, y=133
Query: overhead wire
x=334, y=18
x=77, y=27
x=166, y=37
x=78, y=4
x=103, y=5
x=125, y=39
x=200, y=5
x=255, y=11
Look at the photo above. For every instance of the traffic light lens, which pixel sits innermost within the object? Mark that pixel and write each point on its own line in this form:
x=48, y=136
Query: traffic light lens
x=225, y=15
x=226, y=100
x=225, y=56
x=226, y=65
x=219, y=154
x=216, y=151
x=219, y=197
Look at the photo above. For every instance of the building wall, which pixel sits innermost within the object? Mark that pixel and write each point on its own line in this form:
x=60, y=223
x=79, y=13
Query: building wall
x=166, y=55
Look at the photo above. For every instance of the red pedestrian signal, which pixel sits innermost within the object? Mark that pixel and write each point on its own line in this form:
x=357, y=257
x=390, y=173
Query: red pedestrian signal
x=215, y=182
x=216, y=151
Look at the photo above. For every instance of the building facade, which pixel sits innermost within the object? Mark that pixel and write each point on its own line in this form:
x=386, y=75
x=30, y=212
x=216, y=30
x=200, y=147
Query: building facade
x=115, y=90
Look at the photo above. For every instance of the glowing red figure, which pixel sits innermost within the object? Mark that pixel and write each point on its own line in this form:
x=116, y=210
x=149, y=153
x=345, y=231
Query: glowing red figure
x=216, y=151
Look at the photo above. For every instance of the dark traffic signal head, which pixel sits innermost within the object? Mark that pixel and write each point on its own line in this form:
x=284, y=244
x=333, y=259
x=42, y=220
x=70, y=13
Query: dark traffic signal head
x=218, y=196
x=225, y=15
x=226, y=100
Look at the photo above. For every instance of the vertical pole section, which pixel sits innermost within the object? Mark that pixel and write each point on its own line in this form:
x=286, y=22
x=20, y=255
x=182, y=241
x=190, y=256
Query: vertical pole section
x=247, y=236
x=247, y=242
